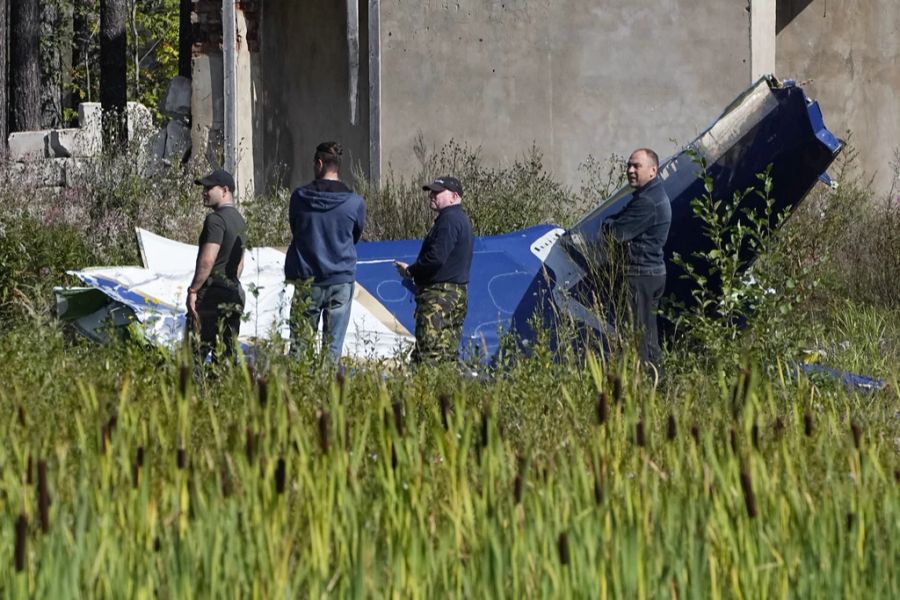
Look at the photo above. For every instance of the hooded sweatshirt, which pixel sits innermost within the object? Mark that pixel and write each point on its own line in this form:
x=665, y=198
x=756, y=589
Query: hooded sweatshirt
x=327, y=219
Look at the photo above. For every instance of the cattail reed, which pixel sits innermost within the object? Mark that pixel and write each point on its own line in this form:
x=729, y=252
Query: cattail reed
x=562, y=544
x=695, y=433
x=602, y=408
x=598, y=488
x=250, y=445
x=262, y=391
x=104, y=438
x=136, y=467
x=29, y=471
x=22, y=420
x=808, y=424
x=615, y=382
x=341, y=379
x=857, y=432
x=43, y=497
x=754, y=435
x=394, y=460
x=21, y=535
x=181, y=458
x=280, y=475
x=733, y=438
x=397, y=408
x=519, y=482
x=444, y=402
x=324, y=442
x=184, y=379
x=851, y=520
x=778, y=426
x=671, y=428
x=640, y=436
x=749, y=496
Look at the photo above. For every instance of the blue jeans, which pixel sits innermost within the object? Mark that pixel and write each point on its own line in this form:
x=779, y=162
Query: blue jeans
x=332, y=304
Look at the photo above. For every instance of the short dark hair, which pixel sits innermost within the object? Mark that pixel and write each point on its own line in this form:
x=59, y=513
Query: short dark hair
x=330, y=154
x=654, y=157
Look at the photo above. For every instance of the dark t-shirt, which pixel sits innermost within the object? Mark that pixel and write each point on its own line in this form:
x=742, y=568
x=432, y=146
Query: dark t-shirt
x=225, y=226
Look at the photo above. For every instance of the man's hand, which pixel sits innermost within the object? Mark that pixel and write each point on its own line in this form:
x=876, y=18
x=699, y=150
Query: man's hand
x=192, y=309
x=403, y=269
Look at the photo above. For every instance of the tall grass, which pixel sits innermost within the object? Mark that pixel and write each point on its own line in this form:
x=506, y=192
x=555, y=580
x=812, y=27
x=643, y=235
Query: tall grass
x=303, y=484
x=561, y=475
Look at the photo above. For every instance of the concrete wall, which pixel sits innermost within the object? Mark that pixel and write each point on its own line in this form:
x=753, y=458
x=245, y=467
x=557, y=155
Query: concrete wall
x=207, y=109
x=849, y=52
x=574, y=77
x=305, y=91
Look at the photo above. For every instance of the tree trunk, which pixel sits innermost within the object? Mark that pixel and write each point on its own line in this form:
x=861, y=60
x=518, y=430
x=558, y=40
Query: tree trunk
x=4, y=79
x=25, y=67
x=56, y=61
x=113, y=69
x=185, y=38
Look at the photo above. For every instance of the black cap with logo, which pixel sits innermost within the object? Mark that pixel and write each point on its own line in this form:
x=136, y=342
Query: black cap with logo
x=444, y=183
x=217, y=177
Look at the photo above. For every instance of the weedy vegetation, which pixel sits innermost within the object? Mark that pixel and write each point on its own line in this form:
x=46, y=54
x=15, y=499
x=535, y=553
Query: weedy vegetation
x=572, y=475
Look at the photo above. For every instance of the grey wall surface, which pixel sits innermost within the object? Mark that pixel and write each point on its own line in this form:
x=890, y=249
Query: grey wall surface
x=574, y=77
x=849, y=52
x=305, y=97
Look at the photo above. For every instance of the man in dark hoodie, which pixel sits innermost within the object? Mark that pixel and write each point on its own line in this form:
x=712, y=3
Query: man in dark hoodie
x=441, y=275
x=327, y=219
x=643, y=226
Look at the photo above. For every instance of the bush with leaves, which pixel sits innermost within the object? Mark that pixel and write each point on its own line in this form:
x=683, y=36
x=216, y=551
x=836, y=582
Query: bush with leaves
x=497, y=199
x=740, y=307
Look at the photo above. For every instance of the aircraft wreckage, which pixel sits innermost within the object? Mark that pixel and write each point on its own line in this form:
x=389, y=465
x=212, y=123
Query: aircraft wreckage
x=536, y=271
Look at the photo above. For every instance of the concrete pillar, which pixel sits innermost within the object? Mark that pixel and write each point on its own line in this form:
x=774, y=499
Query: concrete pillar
x=229, y=77
x=244, y=80
x=762, y=38
x=375, y=91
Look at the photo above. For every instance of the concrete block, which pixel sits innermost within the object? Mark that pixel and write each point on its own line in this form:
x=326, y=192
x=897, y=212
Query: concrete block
x=64, y=143
x=46, y=173
x=90, y=117
x=178, y=141
x=140, y=121
x=79, y=171
x=13, y=170
x=25, y=146
x=178, y=98
x=158, y=150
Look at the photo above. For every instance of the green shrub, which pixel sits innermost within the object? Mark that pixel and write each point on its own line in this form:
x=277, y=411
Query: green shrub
x=497, y=199
x=736, y=310
x=35, y=256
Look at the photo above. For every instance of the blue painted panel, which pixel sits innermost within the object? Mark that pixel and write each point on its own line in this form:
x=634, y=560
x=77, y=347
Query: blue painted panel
x=504, y=270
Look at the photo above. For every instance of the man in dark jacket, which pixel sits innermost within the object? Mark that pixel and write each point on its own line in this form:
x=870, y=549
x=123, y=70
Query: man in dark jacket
x=441, y=275
x=215, y=300
x=327, y=219
x=644, y=227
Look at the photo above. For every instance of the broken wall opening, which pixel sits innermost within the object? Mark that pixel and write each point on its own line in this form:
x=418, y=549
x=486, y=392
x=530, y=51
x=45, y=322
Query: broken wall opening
x=306, y=89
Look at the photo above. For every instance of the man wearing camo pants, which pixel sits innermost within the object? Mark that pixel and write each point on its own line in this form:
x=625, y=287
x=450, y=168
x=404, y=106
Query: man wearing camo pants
x=441, y=275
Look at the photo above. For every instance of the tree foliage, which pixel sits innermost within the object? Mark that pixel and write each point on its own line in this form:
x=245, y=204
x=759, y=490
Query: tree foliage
x=152, y=51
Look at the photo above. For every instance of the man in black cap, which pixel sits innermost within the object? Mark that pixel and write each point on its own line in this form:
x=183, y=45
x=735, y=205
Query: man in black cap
x=215, y=299
x=441, y=275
